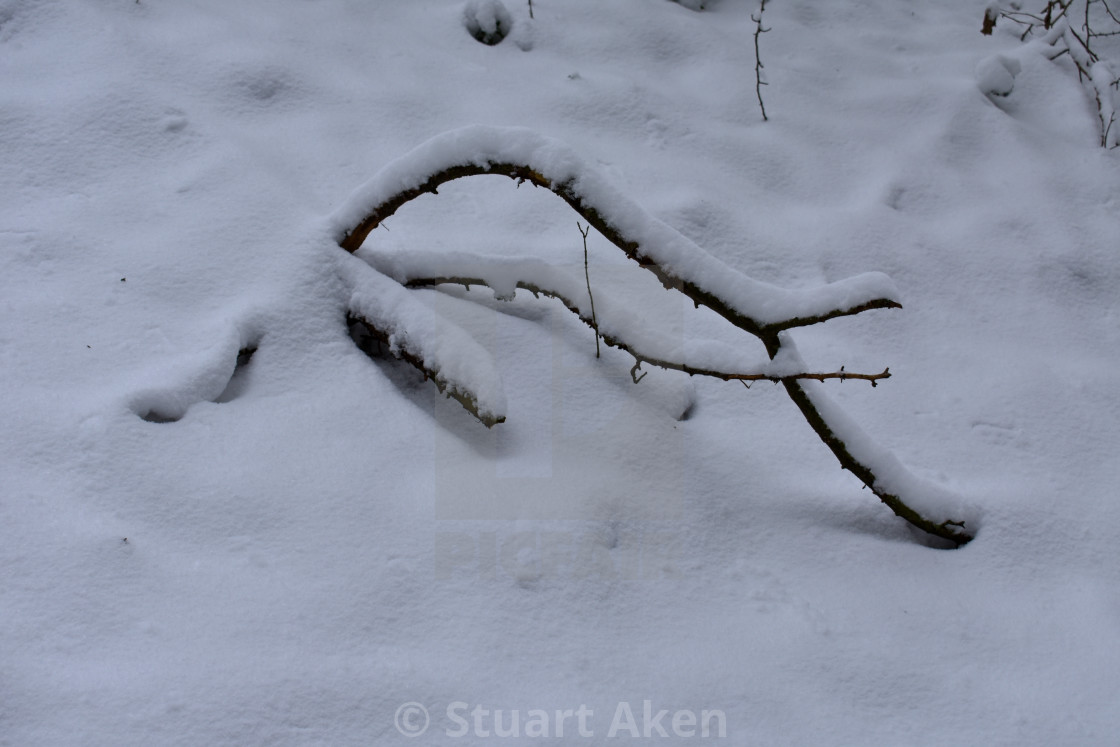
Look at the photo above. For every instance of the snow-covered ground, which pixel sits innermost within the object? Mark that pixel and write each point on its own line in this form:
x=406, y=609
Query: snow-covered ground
x=316, y=539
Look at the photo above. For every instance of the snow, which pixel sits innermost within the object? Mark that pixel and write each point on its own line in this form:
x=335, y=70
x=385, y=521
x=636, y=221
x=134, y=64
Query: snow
x=314, y=539
x=488, y=21
x=996, y=75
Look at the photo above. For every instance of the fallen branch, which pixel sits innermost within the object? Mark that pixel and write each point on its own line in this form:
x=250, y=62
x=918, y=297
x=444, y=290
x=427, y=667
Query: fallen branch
x=757, y=308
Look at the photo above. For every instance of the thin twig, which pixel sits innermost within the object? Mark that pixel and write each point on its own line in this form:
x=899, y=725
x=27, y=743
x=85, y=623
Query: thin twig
x=1108, y=10
x=758, y=81
x=1088, y=29
x=587, y=275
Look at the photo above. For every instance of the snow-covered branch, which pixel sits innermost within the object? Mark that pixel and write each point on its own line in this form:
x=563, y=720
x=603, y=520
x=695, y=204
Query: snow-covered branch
x=930, y=508
x=451, y=358
x=618, y=326
x=761, y=309
x=752, y=305
x=758, y=81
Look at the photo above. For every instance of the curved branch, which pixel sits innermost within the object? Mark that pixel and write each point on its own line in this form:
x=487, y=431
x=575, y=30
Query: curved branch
x=567, y=191
x=522, y=155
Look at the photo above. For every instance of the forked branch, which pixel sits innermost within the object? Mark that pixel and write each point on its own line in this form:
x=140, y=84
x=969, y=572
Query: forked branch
x=760, y=309
x=758, y=81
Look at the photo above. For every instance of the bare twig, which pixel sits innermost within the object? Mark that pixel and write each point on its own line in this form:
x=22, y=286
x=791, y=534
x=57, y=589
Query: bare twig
x=758, y=81
x=587, y=275
x=1108, y=10
x=530, y=8
x=1046, y=20
x=1088, y=28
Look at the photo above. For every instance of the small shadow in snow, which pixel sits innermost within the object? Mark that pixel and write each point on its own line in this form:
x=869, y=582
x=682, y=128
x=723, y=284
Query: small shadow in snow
x=413, y=386
x=156, y=416
x=874, y=520
x=172, y=410
x=408, y=380
x=238, y=381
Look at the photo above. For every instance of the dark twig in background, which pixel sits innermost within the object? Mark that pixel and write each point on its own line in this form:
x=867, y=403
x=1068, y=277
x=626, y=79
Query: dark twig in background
x=1056, y=24
x=758, y=81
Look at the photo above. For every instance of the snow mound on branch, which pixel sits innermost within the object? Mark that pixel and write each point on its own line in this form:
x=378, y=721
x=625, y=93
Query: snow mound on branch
x=460, y=363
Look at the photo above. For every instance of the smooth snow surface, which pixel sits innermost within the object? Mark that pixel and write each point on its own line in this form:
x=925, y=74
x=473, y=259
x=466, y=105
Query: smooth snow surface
x=202, y=547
